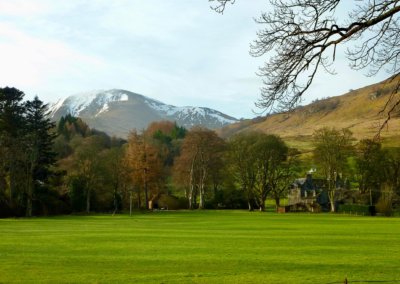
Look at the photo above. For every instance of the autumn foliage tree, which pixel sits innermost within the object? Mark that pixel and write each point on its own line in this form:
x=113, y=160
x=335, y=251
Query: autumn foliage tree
x=146, y=166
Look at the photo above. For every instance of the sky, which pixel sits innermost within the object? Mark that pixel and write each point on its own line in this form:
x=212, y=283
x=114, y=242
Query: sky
x=177, y=51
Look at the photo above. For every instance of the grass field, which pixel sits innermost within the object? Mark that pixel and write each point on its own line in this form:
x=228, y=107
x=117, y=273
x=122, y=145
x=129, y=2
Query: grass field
x=201, y=247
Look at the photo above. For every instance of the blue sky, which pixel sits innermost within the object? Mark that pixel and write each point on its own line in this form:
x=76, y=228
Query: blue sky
x=176, y=51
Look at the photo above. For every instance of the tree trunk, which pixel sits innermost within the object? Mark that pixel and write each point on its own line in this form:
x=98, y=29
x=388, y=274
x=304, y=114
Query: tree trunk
x=191, y=184
x=88, y=201
x=331, y=195
x=190, y=201
x=130, y=203
x=202, y=189
x=29, y=198
x=29, y=205
x=201, y=202
x=29, y=188
x=249, y=200
x=146, y=194
x=139, y=202
x=277, y=201
x=115, y=199
x=249, y=205
x=191, y=194
x=332, y=206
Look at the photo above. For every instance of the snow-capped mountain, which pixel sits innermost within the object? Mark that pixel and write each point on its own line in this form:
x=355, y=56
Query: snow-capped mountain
x=118, y=111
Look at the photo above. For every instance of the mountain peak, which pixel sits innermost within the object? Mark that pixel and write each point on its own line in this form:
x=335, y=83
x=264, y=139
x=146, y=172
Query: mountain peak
x=118, y=111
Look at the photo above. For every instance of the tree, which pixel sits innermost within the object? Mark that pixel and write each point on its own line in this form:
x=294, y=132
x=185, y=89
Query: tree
x=200, y=154
x=270, y=153
x=331, y=150
x=38, y=142
x=242, y=158
x=284, y=174
x=302, y=36
x=146, y=165
x=371, y=165
x=11, y=133
x=393, y=169
x=116, y=169
x=86, y=177
x=257, y=161
x=165, y=135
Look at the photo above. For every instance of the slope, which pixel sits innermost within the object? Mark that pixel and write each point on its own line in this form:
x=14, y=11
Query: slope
x=359, y=111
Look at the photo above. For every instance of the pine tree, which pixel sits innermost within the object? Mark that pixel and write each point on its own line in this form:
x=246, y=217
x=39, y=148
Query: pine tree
x=11, y=131
x=39, y=140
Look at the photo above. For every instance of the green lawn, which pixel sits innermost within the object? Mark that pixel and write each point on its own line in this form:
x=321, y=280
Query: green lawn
x=201, y=247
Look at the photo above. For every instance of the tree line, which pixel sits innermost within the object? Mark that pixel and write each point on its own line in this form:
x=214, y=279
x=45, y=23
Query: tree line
x=65, y=167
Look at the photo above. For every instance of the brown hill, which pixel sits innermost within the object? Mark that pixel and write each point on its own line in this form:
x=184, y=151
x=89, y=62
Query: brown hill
x=359, y=110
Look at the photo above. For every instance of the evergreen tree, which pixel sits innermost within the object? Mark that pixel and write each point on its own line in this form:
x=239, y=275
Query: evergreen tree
x=11, y=131
x=39, y=140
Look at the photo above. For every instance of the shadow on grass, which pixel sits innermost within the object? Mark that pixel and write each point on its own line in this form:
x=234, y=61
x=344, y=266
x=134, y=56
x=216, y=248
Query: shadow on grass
x=365, y=281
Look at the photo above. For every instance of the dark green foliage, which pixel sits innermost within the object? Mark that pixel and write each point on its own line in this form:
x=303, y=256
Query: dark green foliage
x=229, y=199
x=357, y=209
x=26, y=139
x=393, y=169
x=257, y=163
x=11, y=146
x=371, y=160
x=178, y=132
x=77, y=193
x=40, y=138
x=69, y=126
x=49, y=202
x=171, y=202
x=11, y=112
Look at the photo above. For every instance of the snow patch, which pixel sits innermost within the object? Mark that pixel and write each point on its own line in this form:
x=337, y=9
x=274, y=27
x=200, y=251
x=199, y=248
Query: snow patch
x=79, y=102
x=188, y=112
x=103, y=109
x=99, y=100
x=56, y=106
x=222, y=119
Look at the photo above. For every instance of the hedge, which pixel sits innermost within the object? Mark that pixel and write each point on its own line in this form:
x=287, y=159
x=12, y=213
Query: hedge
x=357, y=209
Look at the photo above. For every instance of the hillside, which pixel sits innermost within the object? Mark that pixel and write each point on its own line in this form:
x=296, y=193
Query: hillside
x=359, y=110
x=116, y=112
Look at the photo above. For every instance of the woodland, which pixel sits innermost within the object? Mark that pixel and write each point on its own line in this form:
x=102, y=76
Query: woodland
x=66, y=167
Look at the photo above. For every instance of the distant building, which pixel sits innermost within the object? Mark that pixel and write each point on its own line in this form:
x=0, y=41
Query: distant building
x=308, y=194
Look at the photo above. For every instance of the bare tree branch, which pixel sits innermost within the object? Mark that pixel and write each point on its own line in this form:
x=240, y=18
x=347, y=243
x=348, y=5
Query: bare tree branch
x=302, y=35
x=220, y=5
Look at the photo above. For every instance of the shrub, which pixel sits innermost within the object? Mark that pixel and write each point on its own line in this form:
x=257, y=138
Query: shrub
x=172, y=203
x=357, y=209
x=384, y=207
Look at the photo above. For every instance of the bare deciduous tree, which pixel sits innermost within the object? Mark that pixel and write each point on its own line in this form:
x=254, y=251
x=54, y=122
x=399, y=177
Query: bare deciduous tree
x=302, y=36
x=200, y=155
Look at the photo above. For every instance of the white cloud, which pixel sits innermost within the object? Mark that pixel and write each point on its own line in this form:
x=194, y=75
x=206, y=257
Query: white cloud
x=22, y=8
x=31, y=62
